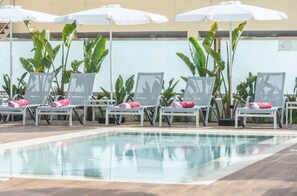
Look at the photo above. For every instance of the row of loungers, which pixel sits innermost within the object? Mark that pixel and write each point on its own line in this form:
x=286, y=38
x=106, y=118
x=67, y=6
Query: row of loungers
x=198, y=92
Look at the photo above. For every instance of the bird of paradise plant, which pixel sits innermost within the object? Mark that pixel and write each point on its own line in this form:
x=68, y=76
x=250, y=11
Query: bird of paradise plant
x=199, y=63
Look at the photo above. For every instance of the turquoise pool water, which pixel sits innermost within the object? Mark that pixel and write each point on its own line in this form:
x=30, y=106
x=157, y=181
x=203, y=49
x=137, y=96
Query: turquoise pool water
x=135, y=157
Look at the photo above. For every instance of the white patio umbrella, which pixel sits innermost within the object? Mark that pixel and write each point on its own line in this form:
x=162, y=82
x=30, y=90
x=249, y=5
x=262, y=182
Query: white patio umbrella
x=109, y=14
x=14, y=14
x=228, y=12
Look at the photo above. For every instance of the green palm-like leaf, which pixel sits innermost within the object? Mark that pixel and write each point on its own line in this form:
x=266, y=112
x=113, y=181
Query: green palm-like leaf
x=197, y=55
x=236, y=34
x=6, y=86
x=95, y=53
x=168, y=93
x=105, y=93
x=187, y=62
x=22, y=79
x=68, y=32
x=119, y=83
x=57, y=71
x=184, y=78
x=216, y=56
x=129, y=84
x=209, y=72
x=98, y=51
x=27, y=65
x=37, y=64
x=208, y=40
x=66, y=76
x=75, y=64
x=39, y=45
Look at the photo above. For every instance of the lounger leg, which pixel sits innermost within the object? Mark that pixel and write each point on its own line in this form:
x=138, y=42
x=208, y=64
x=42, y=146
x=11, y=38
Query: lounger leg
x=155, y=115
x=170, y=120
x=51, y=118
x=76, y=114
x=120, y=119
x=287, y=112
x=70, y=117
x=93, y=114
x=7, y=117
x=206, y=117
x=281, y=118
x=37, y=118
x=236, y=119
x=24, y=117
x=160, y=118
x=244, y=121
x=85, y=114
x=274, y=119
x=197, y=118
x=106, y=118
x=141, y=118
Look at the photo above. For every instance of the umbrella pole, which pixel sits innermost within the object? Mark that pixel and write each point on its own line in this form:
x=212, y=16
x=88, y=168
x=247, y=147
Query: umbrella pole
x=230, y=70
x=11, y=59
x=110, y=57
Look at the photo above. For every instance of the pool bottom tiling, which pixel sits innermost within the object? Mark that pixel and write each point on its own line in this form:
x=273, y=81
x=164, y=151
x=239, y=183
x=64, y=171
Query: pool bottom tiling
x=153, y=157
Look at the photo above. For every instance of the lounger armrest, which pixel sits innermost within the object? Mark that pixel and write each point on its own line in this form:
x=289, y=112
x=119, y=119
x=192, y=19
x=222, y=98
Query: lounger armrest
x=248, y=100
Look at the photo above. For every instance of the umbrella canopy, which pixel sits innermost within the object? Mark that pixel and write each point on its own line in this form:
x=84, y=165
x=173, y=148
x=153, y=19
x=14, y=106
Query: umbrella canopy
x=109, y=14
x=114, y=13
x=228, y=12
x=13, y=14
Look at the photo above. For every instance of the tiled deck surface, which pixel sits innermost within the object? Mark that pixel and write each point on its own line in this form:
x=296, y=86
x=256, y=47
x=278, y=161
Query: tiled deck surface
x=275, y=175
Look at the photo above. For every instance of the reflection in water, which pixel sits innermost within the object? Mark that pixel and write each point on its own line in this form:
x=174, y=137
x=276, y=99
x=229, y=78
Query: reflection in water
x=158, y=157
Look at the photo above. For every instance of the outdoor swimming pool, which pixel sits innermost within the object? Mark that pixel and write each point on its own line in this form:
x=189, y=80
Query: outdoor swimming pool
x=139, y=156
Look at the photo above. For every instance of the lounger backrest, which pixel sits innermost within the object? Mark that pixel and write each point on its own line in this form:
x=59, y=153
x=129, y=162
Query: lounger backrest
x=80, y=87
x=270, y=88
x=199, y=90
x=148, y=88
x=38, y=88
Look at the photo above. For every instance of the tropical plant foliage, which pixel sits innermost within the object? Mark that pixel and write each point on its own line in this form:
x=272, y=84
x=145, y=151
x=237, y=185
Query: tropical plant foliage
x=169, y=93
x=121, y=89
x=199, y=61
x=95, y=53
x=16, y=89
x=45, y=55
x=236, y=34
x=246, y=88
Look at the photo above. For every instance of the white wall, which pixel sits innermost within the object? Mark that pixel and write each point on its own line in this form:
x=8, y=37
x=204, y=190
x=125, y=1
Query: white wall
x=132, y=56
x=263, y=56
x=23, y=49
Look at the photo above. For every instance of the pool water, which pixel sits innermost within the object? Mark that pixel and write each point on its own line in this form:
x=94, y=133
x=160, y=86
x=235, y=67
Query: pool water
x=135, y=156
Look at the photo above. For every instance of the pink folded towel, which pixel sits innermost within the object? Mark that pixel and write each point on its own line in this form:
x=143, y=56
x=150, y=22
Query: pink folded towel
x=61, y=103
x=129, y=105
x=18, y=103
x=183, y=104
x=260, y=105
